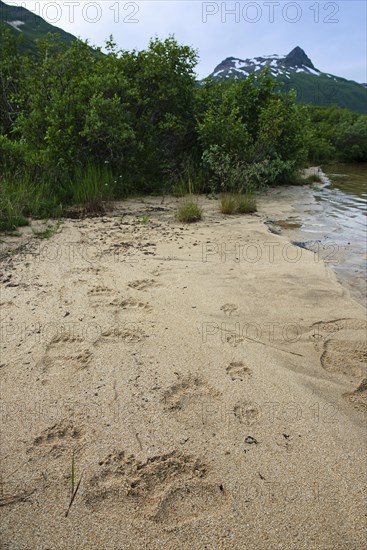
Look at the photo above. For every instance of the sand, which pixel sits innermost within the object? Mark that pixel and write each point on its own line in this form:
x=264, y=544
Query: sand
x=196, y=387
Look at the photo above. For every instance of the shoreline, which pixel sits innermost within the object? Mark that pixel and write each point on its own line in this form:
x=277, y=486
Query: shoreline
x=302, y=225
x=206, y=379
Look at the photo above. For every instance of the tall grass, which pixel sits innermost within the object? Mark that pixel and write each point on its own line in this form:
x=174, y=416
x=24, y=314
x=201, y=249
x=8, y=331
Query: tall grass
x=21, y=197
x=184, y=186
x=90, y=186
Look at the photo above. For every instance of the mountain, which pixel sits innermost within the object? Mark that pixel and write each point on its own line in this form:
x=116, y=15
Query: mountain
x=296, y=71
x=30, y=25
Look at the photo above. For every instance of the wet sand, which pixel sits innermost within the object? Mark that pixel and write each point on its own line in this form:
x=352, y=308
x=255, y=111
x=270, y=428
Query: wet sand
x=195, y=386
x=328, y=218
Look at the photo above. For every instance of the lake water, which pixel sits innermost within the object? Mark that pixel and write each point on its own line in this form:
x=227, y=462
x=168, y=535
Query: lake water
x=330, y=218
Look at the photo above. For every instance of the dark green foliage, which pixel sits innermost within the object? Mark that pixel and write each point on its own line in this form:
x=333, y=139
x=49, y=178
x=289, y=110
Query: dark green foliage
x=336, y=134
x=251, y=134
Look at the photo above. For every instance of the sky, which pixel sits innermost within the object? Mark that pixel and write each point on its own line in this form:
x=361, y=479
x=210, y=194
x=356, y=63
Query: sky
x=333, y=34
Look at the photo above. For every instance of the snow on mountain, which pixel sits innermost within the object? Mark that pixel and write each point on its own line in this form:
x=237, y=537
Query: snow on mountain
x=295, y=62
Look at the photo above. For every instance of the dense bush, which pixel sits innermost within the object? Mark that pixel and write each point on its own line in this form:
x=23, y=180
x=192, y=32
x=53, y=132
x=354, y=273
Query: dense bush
x=250, y=134
x=336, y=134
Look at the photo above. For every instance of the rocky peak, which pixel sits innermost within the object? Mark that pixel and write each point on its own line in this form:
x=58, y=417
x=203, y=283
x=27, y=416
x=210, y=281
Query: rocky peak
x=298, y=58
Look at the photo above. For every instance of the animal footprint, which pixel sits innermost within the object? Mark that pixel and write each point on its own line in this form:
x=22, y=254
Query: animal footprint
x=140, y=479
x=323, y=329
x=86, y=270
x=229, y=309
x=345, y=357
x=65, y=352
x=169, y=488
x=143, y=284
x=193, y=501
x=246, y=412
x=101, y=297
x=238, y=371
x=55, y=440
x=130, y=333
x=358, y=398
x=130, y=303
x=191, y=390
x=65, y=337
x=234, y=339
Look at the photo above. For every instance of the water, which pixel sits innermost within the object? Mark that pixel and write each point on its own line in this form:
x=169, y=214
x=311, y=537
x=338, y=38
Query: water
x=330, y=218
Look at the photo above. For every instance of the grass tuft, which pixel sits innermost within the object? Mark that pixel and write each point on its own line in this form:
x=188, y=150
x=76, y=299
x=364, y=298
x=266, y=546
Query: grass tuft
x=313, y=178
x=227, y=203
x=189, y=212
x=245, y=204
x=237, y=203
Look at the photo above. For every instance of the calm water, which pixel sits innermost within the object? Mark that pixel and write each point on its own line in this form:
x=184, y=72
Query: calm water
x=331, y=219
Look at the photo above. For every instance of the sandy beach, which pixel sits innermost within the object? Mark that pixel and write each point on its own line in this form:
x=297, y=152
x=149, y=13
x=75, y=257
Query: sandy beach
x=194, y=386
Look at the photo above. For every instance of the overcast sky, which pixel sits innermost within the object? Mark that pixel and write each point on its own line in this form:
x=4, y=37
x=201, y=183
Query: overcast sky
x=333, y=34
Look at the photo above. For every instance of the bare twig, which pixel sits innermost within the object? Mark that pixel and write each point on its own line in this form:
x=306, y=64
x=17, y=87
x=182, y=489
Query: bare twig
x=73, y=497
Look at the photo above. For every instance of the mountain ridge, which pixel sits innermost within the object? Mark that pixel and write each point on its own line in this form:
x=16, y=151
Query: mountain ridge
x=295, y=70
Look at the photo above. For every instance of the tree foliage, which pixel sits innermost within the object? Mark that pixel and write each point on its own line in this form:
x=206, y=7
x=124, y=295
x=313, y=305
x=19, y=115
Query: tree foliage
x=336, y=134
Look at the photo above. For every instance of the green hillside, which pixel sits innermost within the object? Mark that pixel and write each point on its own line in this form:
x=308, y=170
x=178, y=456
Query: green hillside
x=325, y=91
x=29, y=25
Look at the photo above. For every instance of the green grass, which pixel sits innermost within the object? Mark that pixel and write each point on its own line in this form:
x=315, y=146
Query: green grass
x=74, y=489
x=237, y=203
x=189, y=212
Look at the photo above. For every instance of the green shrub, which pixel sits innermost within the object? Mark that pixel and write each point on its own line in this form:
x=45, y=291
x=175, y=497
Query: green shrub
x=12, y=155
